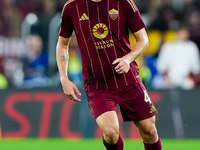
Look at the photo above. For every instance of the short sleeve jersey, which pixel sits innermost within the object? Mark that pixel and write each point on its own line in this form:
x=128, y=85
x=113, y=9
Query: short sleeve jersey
x=102, y=33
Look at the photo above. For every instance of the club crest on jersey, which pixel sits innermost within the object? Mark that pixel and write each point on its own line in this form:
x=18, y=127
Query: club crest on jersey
x=113, y=13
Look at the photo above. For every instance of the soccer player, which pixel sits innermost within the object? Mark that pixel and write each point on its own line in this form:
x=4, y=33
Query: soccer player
x=109, y=70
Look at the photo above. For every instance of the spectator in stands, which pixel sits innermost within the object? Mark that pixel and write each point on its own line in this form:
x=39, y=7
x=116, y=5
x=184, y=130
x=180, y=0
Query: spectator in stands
x=164, y=18
x=30, y=6
x=4, y=24
x=193, y=23
x=10, y=19
x=48, y=7
x=179, y=62
x=35, y=64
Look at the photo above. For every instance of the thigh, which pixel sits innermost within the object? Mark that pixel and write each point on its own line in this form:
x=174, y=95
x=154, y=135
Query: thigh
x=108, y=122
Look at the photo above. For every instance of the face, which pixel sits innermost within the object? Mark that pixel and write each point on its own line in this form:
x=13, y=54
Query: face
x=35, y=45
x=183, y=34
x=195, y=18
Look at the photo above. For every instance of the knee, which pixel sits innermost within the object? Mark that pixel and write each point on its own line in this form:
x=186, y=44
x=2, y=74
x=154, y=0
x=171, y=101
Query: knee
x=111, y=132
x=111, y=135
x=150, y=135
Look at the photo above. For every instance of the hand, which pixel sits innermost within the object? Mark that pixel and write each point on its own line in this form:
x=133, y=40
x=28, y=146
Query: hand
x=123, y=65
x=70, y=89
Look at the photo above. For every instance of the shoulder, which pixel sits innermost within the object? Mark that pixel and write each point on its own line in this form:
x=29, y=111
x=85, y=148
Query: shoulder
x=69, y=5
x=192, y=44
x=130, y=3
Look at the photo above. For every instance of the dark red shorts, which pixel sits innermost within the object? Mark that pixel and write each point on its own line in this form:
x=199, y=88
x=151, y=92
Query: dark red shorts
x=134, y=102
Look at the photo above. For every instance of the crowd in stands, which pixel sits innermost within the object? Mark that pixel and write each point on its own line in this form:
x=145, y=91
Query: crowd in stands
x=163, y=19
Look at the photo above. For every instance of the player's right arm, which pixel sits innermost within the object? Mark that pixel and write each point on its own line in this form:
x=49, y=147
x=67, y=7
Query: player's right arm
x=62, y=58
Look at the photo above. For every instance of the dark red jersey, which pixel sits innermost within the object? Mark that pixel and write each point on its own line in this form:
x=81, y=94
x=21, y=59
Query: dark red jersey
x=102, y=34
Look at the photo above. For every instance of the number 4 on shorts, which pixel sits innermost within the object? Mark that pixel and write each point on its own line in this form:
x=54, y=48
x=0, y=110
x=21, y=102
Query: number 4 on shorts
x=146, y=97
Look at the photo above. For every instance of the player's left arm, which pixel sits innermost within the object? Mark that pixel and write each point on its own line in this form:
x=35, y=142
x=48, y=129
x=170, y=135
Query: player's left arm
x=142, y=42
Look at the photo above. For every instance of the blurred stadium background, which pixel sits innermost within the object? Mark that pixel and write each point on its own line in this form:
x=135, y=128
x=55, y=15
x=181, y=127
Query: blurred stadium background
x=34, y=113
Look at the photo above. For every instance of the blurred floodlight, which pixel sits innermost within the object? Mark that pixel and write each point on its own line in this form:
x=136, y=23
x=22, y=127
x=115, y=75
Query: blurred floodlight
x=31, y=18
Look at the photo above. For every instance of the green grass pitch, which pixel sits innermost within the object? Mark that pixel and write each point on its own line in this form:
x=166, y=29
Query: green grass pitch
x=62, y=144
